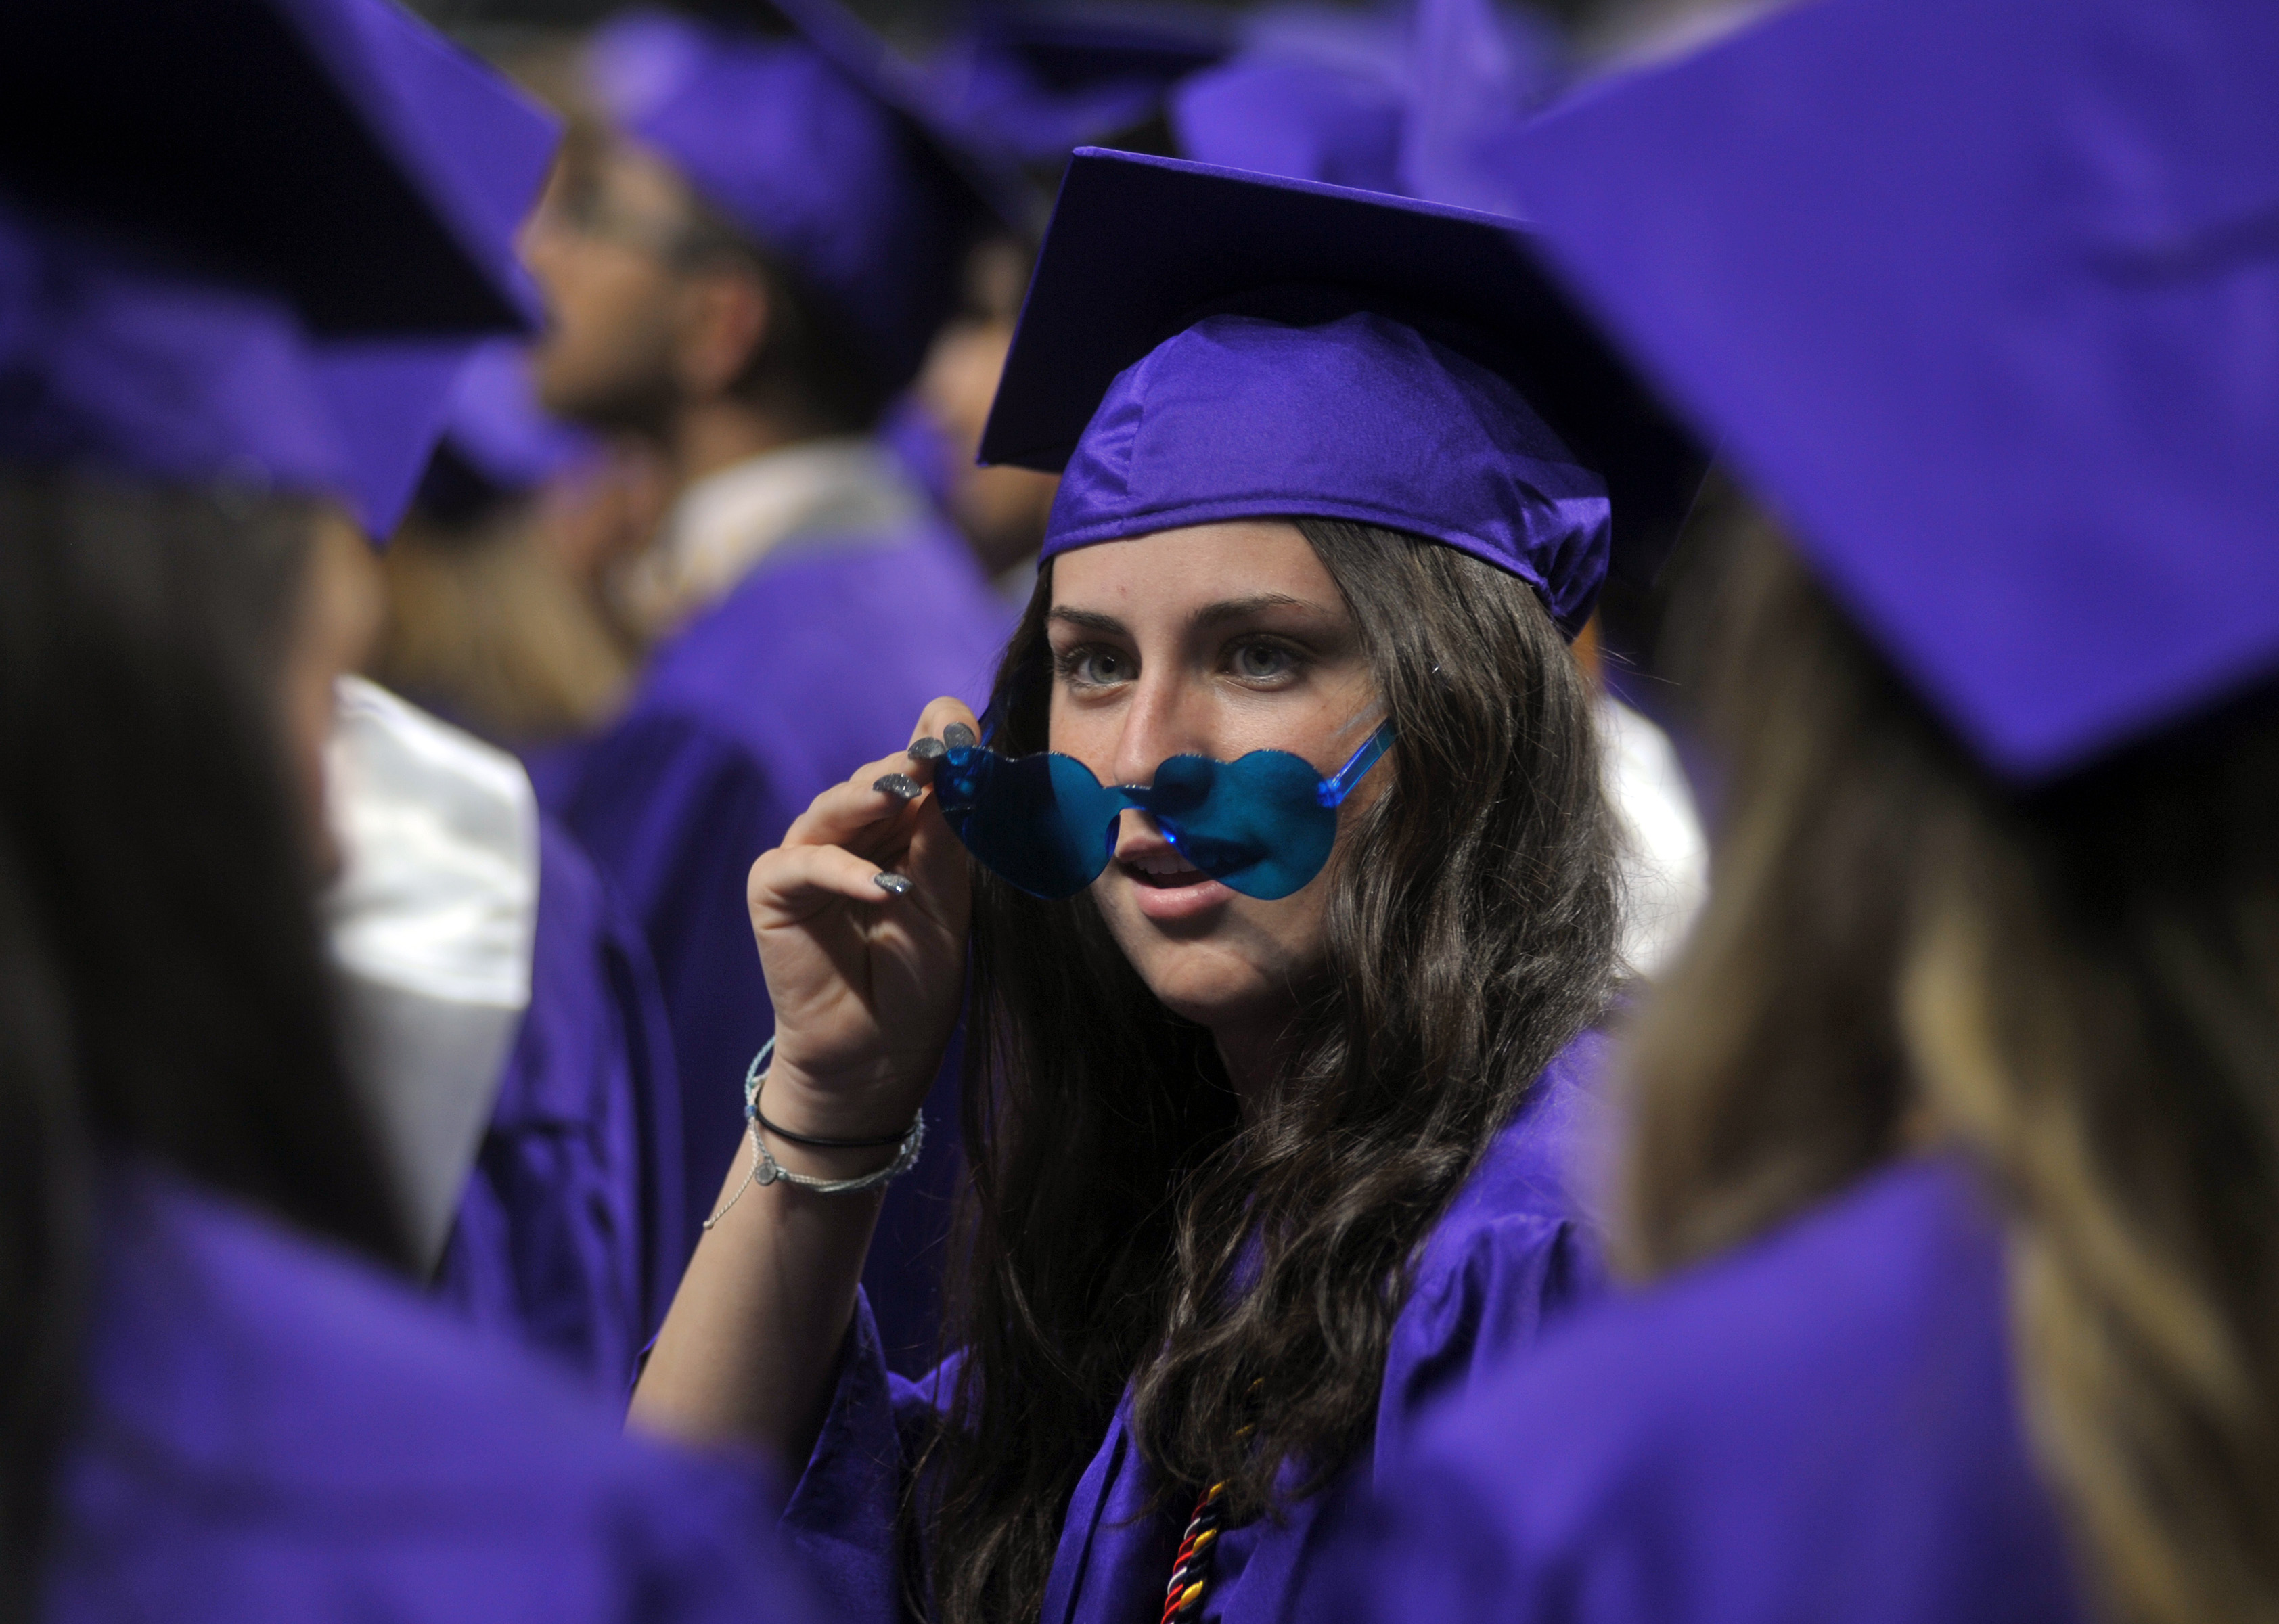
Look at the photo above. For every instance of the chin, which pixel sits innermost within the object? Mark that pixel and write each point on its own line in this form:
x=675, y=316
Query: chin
x=1229, y=973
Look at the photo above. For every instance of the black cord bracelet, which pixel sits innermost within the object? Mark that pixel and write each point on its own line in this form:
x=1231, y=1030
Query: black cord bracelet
x=813, y=1142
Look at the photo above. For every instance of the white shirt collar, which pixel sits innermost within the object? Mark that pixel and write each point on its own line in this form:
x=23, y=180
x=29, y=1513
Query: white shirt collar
x=727, y=522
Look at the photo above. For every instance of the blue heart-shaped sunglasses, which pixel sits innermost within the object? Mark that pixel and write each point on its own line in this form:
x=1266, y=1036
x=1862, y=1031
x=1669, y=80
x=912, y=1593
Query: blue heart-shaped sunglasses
x=1262, y=825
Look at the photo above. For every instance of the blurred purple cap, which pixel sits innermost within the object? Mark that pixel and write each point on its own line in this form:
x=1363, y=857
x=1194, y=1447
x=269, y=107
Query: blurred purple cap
x=822, y=148
x=338, y=153
x=1985, y=300
x=497, y=431
x=1202, y=345
x=1308, y=119
x=108, y=360
x=1036, y=81
x=1418, y=101
x=220, y=333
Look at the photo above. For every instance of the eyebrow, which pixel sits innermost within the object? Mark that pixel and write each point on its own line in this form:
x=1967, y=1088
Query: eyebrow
x=1210, y=615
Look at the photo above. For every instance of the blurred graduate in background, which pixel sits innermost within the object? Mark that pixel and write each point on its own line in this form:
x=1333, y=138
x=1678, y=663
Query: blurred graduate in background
x=743, y=268
x=492, y=623
x=243, y=250
x=1954, y=1149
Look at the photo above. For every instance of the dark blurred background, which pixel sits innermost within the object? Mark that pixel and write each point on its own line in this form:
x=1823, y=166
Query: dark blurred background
x=1594, y=29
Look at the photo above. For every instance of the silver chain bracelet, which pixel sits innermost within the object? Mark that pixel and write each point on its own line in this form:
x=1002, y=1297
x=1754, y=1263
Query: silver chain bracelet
x=766, y=1169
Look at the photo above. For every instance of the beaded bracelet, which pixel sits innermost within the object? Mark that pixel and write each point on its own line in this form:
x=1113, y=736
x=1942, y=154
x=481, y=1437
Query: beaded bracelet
x=766, y=1169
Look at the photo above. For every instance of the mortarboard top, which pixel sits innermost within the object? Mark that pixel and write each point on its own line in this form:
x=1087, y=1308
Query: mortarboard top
x=316, y=147
x=1140, y=248
x=1984, y=300
x=820, y=144
x=139, y=335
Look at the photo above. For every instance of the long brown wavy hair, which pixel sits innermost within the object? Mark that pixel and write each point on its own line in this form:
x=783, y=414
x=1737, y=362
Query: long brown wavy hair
x=2079, y=987
x=1115, y=1189
x=163, y=987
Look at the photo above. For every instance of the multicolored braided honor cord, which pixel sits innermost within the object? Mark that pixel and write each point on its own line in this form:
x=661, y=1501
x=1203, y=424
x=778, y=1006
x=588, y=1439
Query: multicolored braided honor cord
x=1191, y=1571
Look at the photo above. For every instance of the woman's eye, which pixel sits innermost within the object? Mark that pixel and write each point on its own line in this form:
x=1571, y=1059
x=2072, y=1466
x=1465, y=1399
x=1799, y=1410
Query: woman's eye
x=1262, y=662
x=1094, y=668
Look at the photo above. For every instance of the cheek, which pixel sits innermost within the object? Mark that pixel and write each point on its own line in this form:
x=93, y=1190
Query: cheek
x=599, y=296
x=1090, y=738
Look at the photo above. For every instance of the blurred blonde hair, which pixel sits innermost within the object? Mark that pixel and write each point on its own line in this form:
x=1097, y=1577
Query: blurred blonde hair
x=487, y=625
x=2080, y=989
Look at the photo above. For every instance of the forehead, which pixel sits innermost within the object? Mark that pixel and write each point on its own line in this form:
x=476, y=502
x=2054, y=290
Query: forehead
x=1174, y=572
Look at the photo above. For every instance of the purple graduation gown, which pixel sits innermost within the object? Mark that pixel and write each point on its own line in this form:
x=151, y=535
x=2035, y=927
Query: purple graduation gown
x=1511, y=1253
x=818, y=660
x=569, y=1232
x=273, y=1430
x=1818, y=1428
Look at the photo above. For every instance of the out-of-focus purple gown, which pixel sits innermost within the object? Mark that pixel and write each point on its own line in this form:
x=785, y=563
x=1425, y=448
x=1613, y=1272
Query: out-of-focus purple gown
x=817, y=661
x=1509, y=1255
x=272, y=1430
x=1819, y=1429
x=568, y=1233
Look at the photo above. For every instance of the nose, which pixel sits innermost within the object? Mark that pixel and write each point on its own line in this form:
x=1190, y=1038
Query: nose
x=1161, y=721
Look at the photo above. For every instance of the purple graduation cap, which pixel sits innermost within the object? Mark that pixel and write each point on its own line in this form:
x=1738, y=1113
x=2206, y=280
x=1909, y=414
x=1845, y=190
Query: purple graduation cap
x=822, y=147
x=1397, y=100
x=498, y=443
x=1202, y=345
x=202, y=300
x=1985, y=300
x=1036, y=81
x=329, y=152
x=1315, y=93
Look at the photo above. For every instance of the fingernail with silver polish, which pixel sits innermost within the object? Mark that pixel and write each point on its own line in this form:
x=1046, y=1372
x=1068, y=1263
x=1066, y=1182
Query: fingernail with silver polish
x=957, y=736
x=929, y=749
x=901, y=785
x=892, y=885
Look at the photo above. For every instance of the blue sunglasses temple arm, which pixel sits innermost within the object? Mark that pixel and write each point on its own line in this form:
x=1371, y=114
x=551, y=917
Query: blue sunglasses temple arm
x=1334, y=791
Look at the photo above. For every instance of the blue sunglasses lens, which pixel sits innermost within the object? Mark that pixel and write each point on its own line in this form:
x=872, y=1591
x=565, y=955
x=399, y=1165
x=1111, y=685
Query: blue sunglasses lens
x=1262, y=824
x=1256, y=824
x=1042, y=822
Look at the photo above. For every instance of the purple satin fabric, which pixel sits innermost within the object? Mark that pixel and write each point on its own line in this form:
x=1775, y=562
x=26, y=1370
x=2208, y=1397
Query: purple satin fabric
x=1979, y=298
x=818, y=660
x=1513, y=1253
x=1819, y=1426
x=570, y=1233
x=275, y=1431
x=1336, y=414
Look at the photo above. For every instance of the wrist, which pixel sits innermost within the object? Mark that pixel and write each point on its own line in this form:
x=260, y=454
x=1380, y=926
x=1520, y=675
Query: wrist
x=826, y=1164
x=799, y=1109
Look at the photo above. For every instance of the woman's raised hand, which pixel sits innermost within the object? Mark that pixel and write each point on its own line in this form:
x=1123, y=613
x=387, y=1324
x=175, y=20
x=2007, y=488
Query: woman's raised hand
x=861, y=917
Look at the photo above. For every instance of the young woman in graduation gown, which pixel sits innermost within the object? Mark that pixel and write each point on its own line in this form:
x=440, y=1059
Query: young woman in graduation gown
x=1270, y=1143
x=221, y=1395
x=1954, y=1157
